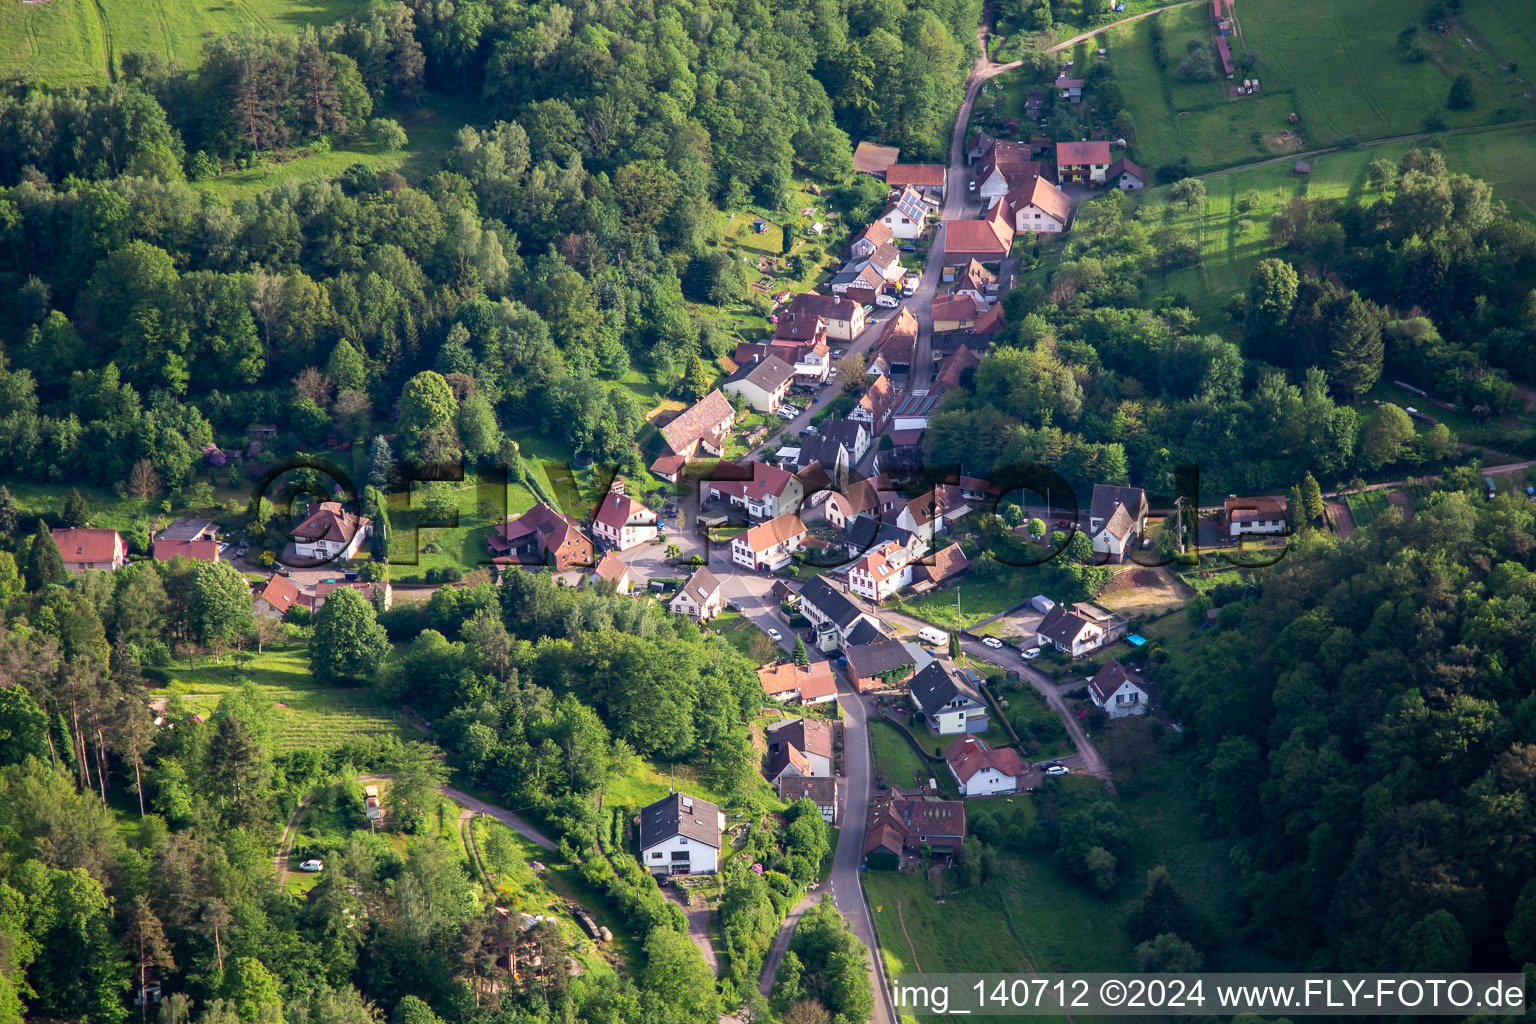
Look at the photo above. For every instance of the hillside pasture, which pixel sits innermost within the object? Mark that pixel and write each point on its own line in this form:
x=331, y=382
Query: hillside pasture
x=78, y=42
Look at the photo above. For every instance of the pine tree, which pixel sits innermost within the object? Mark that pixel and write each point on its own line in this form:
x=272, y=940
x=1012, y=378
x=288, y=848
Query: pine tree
x=697, y=380
x=799, y=656
x=9, y=513
x=954, y=645
x=381, y=463
x=77, y=511
x=146, y=938
x=1311, y=497
x=44, y=563
x=1354, y=336
x=317, y=77
x=1296, y=507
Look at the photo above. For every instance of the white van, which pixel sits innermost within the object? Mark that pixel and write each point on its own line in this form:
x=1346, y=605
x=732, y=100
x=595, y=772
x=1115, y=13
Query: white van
x=933, y=635
x=887, y=301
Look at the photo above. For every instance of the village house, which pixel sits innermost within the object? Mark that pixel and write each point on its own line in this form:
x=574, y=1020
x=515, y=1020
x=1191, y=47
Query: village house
x=769, y=546
x=621, y=522
x=763, y=490
x=978, y=147
x=808, y=684
x=612, y=569
x=860, y=497
x=701, y=598
x=955, y=312
x=873, y=408
x=989, y=322
x=898, y=341
x=985, y=241
x=83, y=548
x=1113, y=689
x=905, y=214
x=927, y=179
x=843, y=317
x=1040, y=207
x=839, y=621
x=1068, y=632
x=826, y=794
x=851, y=434
x=977, y=282
x=763, y=384
x=910, y=417
x=1082, y=161
x=882, y=572
x=880, y=664
x=931, y=513
x=939, y=568
x=1261, y=516
x=541, y=536
x=1116, y=517
x=1126, y=176
x=796, y=330
x=952, y=369
x=886, y=261
x=901, y=824
x=701, y=428
x=681, y=835
x=196, y=539
x=872, y=158
x=833, y=460
x=1005, y=166
x=330, y=532
x=950, y=703
x=800, y=746
x=859, y=280
x=379, y=594
x=865, y=532
x=273, y=598
x=1071, y=89
x=869, y=238
x=981, y=770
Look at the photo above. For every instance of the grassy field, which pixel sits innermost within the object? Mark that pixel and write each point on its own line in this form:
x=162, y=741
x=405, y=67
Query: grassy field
x=77, y=41
x=896, y=763
x=1366, y=505
x=430, y=127
x=1233, y=225
x=482, y=503
x=308, y=715
x=978, y=601
x=1038, y=919
x=1336, y=66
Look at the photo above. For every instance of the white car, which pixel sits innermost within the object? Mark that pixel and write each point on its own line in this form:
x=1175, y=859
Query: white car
x=775, y=635
x=313, y=864
x=1031, y=654
x=992, y=642
x=1057, y=769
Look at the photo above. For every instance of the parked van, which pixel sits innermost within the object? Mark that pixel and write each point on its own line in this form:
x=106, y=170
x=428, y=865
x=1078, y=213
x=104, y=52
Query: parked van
x=887, y=301
x=932, y=635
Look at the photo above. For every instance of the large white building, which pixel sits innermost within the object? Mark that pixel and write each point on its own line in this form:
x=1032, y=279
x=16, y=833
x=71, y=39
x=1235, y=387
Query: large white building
x=980, y=770
x=681, y=835
x=1113, y=689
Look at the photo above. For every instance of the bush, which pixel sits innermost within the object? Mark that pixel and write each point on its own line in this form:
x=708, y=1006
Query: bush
x=387, y=133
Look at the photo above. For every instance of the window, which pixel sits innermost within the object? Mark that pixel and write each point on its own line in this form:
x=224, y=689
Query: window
x=682, y=840
x=656, y=855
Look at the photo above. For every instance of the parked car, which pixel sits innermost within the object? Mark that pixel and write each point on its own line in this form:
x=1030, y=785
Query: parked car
x=992, y=642
x=1031, y=654
x=313, y=864
x=909, y=247
x=1057, y=769
x=887, y=301
x=973, y=186
x=775, y=635
x=1063, y=524
x=809, y=431
x=837, y=353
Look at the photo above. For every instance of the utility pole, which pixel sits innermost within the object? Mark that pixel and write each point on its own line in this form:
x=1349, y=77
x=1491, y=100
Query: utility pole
x=1178, y=518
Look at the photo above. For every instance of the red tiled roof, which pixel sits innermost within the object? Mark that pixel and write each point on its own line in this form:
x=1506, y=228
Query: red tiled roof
x=1076, y=154
x=921, y=175
x=86, y=545
x=1042, y=194
x=965, y=237
x=280, y=592
x=813, y=680
x=877, y=233
x=618, y=509
x=330, y=522
x=198, y=550
x=697, y=422
x=969, y=755
x=773, y=533
x=954, y=307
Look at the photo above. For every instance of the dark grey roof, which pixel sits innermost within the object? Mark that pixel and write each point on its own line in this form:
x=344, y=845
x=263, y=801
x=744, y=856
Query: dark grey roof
x=1107, y=496
x=680, y=814
x=830, y=602
x=823, y=450
x=937, y=685
x=1061, y=625
x=822, y=791
x=845, y=432
x=767, y=373
x=886, y=654
x=1109, y=679
x=865, y=632
x=865, y=533
x=188, y=529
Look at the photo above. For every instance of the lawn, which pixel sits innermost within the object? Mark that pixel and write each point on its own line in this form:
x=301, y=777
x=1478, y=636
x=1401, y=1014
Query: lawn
x=1336, y=66
x=744, y=636
x=429, y=126
x=648, y=783
x=1366, y=505
x=896, y=763
x=308, y=715
x=1035, y=918
x=66, y=42
x=977, y=601
x=483, y=501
